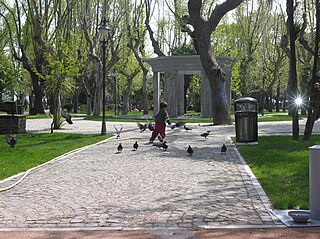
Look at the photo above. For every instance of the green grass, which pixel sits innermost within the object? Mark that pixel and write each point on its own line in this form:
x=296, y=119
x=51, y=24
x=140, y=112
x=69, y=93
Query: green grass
x=39, y=116
x=35, y=149
x=275, y=117
x=282, y=167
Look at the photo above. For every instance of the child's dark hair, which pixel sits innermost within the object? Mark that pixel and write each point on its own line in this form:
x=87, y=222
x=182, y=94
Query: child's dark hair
x=163, y=105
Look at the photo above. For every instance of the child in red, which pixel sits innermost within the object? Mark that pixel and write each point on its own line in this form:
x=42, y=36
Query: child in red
x=160, y=122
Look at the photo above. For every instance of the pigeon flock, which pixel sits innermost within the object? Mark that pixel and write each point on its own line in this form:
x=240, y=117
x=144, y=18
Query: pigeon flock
x=162, y=144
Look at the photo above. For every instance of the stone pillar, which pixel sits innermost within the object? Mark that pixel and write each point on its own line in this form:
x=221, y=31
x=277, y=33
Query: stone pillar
x=156, y=92
x=206, y=104
x=180, y=92
x=170, y=93
x=227, y=85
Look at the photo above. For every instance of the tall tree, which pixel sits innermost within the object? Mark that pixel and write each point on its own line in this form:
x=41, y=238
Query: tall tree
x=203, y=30
x=24, y=44
x=314, y=107
x=252, y=18
x=136, y=34
x=292, y=83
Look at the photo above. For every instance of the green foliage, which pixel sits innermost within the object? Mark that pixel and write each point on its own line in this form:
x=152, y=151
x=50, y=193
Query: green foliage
x=183, y=50
x=225, y=40
x=62, y=69
x=9, y=76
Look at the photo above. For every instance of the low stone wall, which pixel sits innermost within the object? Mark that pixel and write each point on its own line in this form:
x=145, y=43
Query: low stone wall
x=12, y=124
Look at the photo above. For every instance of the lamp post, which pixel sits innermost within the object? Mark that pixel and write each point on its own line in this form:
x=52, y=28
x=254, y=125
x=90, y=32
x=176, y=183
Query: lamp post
x=103, y=30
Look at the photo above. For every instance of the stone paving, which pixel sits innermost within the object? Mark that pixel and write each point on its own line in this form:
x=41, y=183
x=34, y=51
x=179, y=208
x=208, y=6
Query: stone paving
x=96, y=187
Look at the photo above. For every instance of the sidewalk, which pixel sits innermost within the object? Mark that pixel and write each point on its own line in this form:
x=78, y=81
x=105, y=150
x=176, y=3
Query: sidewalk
x=142, y=191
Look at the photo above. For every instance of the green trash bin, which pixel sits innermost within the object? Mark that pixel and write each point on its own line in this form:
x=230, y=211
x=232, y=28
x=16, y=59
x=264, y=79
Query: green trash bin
x=246, y=120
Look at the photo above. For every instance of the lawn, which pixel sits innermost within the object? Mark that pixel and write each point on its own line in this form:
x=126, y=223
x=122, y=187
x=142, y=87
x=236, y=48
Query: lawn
x=34, y=149
x=276, y=117
x=282, y=167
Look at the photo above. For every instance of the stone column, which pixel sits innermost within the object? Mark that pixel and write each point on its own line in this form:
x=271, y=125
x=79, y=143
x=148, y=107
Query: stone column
x=227, y=85
x=206, y=104
x=156, y=92
x=170, y=93
x=180, y=92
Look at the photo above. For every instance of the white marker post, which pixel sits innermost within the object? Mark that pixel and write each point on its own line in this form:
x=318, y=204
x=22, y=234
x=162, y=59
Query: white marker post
x=314, y=181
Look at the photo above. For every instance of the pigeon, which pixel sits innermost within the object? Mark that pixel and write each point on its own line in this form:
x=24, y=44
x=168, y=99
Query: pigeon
x=179, y=124
x=11, y=140
x=67, y=116
x=135, y=146
x=205, y=134
x=142, y=127
x=150, y=126
x=165, y=146
x=186, y=128
x=160, y=138
x=118, y=132
x=190, y=150
x=119, y=148
x=162, y=145
x=224, y=149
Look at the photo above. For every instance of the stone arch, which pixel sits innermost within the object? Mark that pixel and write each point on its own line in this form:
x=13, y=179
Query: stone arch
x=174, y=69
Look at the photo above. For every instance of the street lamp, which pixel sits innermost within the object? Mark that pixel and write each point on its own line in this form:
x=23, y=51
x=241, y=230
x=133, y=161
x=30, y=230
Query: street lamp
x=103, y=30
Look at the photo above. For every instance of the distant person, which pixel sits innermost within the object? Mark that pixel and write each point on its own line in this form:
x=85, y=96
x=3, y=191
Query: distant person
x=160, y=119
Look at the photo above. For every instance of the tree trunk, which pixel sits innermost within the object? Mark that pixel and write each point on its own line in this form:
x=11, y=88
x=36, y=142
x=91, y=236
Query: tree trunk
x=89, y=105
x=315, y=99
x=270, y=103
x=56, y=110
x=126, y=97
x=38, y=93
x=203, y=30
x=292, y=84
x=278, y=98
x=75, y=100
x=97, y=101
x=145, y=92
x=216, y=78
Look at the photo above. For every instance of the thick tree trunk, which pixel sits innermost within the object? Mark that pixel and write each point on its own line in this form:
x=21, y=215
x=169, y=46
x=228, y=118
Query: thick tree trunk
x=203, y=30
x=217, y=79
x=125, y=104
x=38, y=93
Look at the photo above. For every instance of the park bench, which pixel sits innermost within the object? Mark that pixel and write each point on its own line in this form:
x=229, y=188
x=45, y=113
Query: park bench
x=10, y=107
